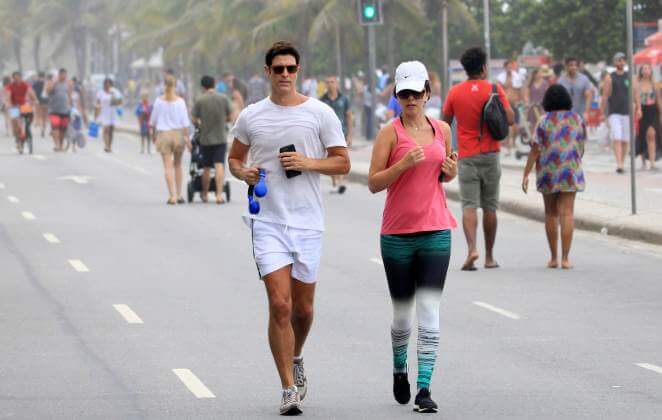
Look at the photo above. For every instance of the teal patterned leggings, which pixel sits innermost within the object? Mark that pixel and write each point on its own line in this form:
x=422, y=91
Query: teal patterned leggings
x=416, y=266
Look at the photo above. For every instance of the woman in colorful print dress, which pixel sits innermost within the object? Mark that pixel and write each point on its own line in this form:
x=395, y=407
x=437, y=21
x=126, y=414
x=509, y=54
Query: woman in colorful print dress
x=557, y=150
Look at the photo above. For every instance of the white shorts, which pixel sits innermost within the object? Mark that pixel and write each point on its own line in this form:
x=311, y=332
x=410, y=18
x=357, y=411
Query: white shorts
x=276, y=246
x=619, y=127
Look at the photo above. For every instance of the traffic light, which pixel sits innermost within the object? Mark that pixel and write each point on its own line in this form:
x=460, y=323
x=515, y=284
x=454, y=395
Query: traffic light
x=370, y=12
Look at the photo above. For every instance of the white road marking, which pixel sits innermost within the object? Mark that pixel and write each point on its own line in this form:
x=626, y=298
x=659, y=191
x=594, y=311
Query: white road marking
x=51, y=238
x=39, y=157
x=28, y=216
x=2, y=186
x=79, y=266
x=122, y=163
x=78, y=179
x=655, y=190
x=13, y=199
x=377, y=260
x=194, y=384
x=650, y=366
x=500, y=311
x=128, y=313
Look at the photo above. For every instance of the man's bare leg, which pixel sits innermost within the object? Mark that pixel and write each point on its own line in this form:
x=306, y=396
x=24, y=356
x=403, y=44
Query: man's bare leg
x=489, y=230
x=281, y=334
x=470, y=224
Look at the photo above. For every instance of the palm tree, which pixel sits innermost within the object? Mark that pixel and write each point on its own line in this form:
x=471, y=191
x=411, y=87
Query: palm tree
x=14, y=14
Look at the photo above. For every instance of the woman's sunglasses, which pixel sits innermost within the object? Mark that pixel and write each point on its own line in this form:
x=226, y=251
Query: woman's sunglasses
x=281, y=69
x=405, y=94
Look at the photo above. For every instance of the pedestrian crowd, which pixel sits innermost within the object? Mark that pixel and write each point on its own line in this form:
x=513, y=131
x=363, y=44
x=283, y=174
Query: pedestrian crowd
x=283, y=139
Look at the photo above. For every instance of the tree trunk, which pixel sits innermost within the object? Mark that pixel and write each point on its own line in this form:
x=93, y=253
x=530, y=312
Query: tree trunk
x=17, y=46
x=80, y=51
x=36, y=47
x=339, y=69
x=390, y=38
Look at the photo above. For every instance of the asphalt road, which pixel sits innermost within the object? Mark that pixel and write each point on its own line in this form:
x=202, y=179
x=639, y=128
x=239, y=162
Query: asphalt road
x=82, y=233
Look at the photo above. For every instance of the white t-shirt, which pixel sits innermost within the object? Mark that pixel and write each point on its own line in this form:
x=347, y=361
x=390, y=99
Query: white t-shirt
x=168, y=116
x=518, y=78
x=311, y=127
x=108, y=112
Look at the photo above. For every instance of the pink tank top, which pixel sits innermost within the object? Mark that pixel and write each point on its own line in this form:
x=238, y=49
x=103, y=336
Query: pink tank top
x=416, y=201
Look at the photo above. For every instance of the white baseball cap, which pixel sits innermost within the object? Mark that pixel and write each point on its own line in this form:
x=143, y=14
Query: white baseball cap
x=411, y=75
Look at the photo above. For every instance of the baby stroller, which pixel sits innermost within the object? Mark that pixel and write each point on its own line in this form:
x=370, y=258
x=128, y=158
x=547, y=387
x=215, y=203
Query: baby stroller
x=195, y=183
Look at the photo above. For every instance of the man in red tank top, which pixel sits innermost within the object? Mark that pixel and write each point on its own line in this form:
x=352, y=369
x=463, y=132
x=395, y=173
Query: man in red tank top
x=479, y=168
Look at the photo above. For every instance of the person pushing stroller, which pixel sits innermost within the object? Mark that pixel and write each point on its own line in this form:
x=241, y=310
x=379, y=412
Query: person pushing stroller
x=210, y=114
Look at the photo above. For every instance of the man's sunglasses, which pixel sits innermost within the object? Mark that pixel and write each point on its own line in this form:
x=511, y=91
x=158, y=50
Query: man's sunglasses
x=280, y=69
x=405, y=94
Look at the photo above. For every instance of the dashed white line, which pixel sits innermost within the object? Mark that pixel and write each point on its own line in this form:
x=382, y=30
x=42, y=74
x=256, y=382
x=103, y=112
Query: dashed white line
x=500, y=311
x=13, y=199
x=128, y=314
x=51, y=238
x=39, y=157
x=28, y=216
x=122, y=163
x=650, y=366
x=194, y=384
x=2, y=186
x=79, y=266
x=377, y=260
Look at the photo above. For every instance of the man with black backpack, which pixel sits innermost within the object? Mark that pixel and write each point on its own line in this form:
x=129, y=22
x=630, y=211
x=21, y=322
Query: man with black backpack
x=483, y=115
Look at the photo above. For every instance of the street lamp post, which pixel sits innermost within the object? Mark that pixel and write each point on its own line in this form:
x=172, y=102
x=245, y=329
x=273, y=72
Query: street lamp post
x=633, y=186
x=445, y=77
x=486, y=27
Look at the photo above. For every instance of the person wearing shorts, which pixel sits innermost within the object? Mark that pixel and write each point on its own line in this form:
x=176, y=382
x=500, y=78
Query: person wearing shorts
x=210, y=114
x=59, y=107
x=410, y=156
x=287, y=232
x=479, y=168
x=615, y=99
x=171, y=122
x=21, y=96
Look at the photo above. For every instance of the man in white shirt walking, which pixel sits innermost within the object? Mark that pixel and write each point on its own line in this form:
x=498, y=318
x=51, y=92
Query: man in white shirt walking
x=287, y=231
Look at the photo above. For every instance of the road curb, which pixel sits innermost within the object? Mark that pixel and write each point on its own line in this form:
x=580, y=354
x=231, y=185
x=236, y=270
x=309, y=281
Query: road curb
x=594, y=224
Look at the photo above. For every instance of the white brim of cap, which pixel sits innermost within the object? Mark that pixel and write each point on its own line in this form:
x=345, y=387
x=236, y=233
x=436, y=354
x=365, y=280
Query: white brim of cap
x=415, y=85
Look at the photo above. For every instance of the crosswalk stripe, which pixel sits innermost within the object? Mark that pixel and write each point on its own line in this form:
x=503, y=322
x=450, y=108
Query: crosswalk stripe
x=28, y=216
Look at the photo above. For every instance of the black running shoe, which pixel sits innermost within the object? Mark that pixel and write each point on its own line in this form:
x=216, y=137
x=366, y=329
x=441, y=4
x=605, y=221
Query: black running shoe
x=342, y=189
x=401, y=390
x=423, y=402
x=226, y=190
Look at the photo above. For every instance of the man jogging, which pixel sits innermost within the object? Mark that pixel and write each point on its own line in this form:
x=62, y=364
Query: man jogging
x=210, y=113
x=287, y=231
x=479, y=168
x=341, y=106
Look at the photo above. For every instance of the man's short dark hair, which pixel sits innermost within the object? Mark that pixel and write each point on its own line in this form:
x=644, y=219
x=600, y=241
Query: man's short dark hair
x=281, y=48
x=170, y=71
x=41, y=74
x=207, y=82
x=557, y=98
x=569, y=60
x=473, y=61
x=62, y=70
x=16, y=73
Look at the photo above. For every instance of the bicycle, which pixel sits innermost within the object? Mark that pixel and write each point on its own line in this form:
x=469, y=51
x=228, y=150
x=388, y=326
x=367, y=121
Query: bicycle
x=27, y=137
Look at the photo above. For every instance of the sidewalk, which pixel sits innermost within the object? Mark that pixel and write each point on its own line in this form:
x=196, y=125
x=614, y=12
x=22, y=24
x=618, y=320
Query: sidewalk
x=604, y=204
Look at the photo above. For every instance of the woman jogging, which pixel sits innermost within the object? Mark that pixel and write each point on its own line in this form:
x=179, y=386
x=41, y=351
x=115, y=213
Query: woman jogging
x=171, y=122
x=556, y=150
x=411, y=156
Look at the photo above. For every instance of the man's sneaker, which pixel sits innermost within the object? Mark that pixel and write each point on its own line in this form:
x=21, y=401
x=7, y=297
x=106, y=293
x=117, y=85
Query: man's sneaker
x=423, y=402
x=291, y=404
x=226, y=190
x=300, y=378
x=342, y=189
x=401, y=390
